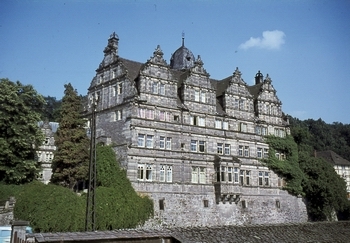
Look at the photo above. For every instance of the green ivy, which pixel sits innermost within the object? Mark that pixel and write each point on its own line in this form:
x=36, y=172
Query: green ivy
x=289, y=168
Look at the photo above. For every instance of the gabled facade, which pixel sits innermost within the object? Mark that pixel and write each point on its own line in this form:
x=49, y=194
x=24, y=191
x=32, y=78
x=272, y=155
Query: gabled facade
x=192, y=143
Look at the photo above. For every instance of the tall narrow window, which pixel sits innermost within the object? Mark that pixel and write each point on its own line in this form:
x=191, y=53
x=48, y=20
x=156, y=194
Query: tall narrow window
x=196, y=95
x=260, y=178
x=201, y=121
x=162, y=115
x=194, y=174
x=141, y=140
x=259, y=153
x=235, y=174
x=149, y=141
x=218, y=124
x=266, y=153
x=161, y=204
x=169, y=174
x=219, y=148
x=223, y=172
x=241, y=177
x=229, y=174
x=162, y=173
x=149, y=172
x=201, y=146
x=120, y=88
x=240, y=150
x=246, y=151
x=202, y=97
x=244, y=127
x=162, y=142
x=267, y=179
x=155, y=88
x=168, y=143
x=225, y=125
x=162, y=89
x=247, y=177
x=227, y=149
x=194, y=145
x=202, y=175
x=142, y=113
x=140, y=172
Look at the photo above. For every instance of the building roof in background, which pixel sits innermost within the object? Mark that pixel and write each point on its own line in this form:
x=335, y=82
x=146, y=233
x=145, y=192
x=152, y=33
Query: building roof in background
x=332, y=157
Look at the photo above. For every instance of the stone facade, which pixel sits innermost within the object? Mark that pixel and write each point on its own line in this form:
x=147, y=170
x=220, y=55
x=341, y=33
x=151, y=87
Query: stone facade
x=190, y=142
x=45, y=152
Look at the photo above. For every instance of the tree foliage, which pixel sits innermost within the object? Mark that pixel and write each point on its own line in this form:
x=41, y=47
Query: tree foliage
x=51, y=111
x=70, y=163
x=20, y=112
x=118, y=205
x=314, y=178
x=53, y=208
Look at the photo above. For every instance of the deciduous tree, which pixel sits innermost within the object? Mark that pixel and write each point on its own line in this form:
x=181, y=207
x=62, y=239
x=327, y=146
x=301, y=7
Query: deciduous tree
x=20, y=109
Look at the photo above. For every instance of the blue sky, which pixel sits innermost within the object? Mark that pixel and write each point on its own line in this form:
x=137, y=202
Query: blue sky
x=303, y=45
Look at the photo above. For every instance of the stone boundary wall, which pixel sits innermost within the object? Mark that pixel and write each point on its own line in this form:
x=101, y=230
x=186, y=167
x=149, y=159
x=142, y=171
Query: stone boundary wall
x=6, y=211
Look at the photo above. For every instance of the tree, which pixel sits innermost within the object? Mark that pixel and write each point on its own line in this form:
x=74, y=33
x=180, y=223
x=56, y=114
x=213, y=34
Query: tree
x=20, y=134
x=70, y=162
x=51, y=110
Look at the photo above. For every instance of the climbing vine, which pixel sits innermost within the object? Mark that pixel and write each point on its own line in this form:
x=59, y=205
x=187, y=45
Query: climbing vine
x=288, y=168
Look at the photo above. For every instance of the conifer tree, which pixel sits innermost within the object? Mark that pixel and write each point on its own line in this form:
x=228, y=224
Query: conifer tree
x=20, y=108
x=70, y=162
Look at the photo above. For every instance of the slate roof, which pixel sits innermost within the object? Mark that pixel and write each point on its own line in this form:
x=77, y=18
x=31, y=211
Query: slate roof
x=320, y=232
x=332, y=158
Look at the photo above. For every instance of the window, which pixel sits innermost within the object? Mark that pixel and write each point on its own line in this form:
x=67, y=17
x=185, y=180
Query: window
x=113, y=73
x=166, y=173
x=222, y=173
x=162, y=115
x=243, y=127
x=176, y=118
x=246, y=151
x=201, y=121
x=205, y=203
x=244, y=204
x=169, y=173
x=161, y=204
x=278, y=204
x=197, y=121
x=162, y=142
x=225, y=125
x=168, y=143
x=235, y=174
x=236, y=104
x=218, y=124
x=162, y=89
x=144, y=172
x=266, y=153
x=229, y=174
x=120, y=88
x=199, y=96
x=142, y=113
x=150, y=114
x=196, y=95
x=259, y=153
x=241, y=104
x=227, y=149
x=201, y=146
x=219, y=148
x=194, y=145
x=149, y=141
x=141, y=140
x=244, y=177
x=155, y=88
x=264, y=178
x=114, y=90
x=118, y=115
x=198, y=175
x=240, y=150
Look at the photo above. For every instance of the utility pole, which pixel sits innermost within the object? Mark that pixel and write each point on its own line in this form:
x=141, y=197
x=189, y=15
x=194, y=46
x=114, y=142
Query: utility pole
x=90, y=220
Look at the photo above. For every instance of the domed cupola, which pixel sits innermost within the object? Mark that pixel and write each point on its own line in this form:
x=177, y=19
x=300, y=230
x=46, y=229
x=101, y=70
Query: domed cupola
x=182, y=58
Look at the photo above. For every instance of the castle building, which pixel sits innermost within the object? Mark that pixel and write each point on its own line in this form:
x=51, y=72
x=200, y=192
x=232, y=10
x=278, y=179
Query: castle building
x=192, y=143
x=45, y=152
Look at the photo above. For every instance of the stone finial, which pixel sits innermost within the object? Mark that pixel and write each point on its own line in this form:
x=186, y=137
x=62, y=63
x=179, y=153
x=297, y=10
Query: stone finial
x=237, y=73
x=158, y=56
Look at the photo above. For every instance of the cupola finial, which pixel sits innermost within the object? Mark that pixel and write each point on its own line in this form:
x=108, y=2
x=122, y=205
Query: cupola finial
x=183, y=38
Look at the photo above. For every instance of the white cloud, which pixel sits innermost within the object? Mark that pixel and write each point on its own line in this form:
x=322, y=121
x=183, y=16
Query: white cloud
x=269, y=40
